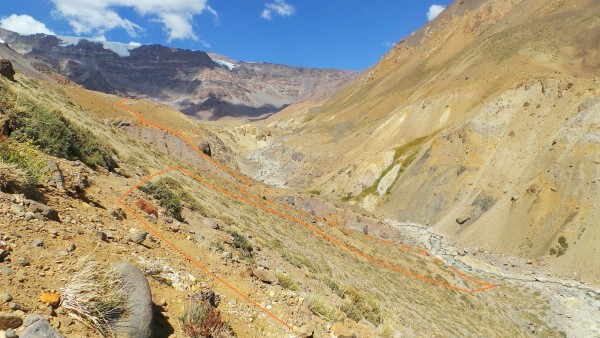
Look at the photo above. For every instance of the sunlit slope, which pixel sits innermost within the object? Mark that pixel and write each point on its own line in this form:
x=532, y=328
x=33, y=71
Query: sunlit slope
x=488, y=113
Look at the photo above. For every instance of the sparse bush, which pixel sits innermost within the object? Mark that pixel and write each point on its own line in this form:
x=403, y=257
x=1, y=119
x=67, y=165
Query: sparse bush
x=287, y=282
x=319, y=307
x=165, y=196
x=240, y=242
x=26, y=157
x=96, y=295
x=361, y=307
x=202, y=320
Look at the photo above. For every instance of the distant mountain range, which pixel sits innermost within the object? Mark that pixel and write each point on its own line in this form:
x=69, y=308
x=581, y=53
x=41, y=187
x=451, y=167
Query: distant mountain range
x=192, y=81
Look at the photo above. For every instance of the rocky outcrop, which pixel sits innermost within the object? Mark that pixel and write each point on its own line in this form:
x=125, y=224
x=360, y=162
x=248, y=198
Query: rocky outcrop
x=187, y=80
x=6, y=69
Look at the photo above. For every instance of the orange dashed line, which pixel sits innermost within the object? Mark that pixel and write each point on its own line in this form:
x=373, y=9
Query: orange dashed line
x=424, y=252
x=486, y=286
x=284, y=206
x=368, y=237
x=407, y=247
x=302, y=212
x=386, y=241
x=141, y=119
x=319, y=219
x=439, y=260
x=332, y=223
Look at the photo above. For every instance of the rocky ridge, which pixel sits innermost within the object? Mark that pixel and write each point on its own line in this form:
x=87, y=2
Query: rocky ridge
x=187, y=80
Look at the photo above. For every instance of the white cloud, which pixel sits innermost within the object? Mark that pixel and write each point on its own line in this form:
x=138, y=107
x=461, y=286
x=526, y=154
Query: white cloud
x=24, y=24
x=279, y=7
x=434, y=11
x=96, y=17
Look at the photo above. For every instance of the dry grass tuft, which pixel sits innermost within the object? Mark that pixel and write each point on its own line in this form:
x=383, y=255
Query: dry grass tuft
x=96, y=295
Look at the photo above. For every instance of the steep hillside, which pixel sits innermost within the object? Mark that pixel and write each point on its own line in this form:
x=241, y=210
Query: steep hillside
x=76, y=164
x=190, y=81
x=483, y=124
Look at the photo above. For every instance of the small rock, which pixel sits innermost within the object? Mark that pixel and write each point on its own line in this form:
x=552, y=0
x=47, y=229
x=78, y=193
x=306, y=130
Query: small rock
x=137, y=237
x=10, y=320
x=38, y=327
x=514, y=198
x=339, y=330
x=16, y=307
x=46, y=211
x=101, y=236
x=305, y=331
x=265, y=276
x=6, y=271
x=5, y=297
x=213, y=223
x=50, y=298
x=53, y=232
x=226, y=255
x=37, y=243
x=462, y=220
x=23, y=262
x=118, y=213
x=174, y=227
x=71, y=247
x=10, y=333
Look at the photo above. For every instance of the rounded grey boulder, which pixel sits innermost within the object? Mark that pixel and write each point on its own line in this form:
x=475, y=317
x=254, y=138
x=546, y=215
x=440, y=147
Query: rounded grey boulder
x=137, y=323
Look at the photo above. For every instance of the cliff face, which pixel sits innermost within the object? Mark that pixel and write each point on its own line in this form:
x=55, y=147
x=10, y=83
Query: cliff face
x=483, y=124
x=187, y=80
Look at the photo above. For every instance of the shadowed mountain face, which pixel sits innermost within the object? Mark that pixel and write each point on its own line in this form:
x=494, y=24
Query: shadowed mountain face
x=190, y=81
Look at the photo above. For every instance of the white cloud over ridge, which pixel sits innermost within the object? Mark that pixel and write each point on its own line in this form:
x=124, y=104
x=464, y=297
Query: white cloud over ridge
x=24, y=24
x=96, y=17
x=278, y=7
x=434, y=11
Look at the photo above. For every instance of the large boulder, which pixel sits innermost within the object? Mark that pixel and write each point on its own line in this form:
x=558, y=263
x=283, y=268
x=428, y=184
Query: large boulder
x=6, y=69
x=138, y=321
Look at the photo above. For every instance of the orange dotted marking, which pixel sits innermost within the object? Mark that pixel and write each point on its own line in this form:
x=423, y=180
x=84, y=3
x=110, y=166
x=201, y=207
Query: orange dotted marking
x=485, y=286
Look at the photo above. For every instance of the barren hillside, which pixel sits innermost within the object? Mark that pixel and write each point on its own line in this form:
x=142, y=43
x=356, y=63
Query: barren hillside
x=483, y=124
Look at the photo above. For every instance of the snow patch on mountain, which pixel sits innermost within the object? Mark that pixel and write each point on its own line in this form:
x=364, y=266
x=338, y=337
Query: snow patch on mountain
x=122, y=49
x=225, y=64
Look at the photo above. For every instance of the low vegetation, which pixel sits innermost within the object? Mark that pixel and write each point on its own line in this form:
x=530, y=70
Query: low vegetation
x=560, y=248
x=240, y=242
x=288, y=282
x=202, y=320
x=43, y=128
x=162, y=192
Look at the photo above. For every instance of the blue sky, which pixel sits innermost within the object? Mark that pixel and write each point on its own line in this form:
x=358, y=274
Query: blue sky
x=347, y=34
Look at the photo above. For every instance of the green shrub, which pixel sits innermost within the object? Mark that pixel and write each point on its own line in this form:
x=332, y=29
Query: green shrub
x=54, y=135
x=165, y=196
x=240, y=242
